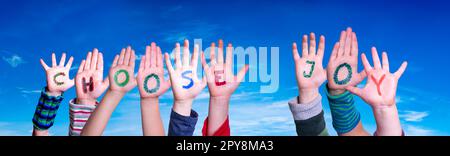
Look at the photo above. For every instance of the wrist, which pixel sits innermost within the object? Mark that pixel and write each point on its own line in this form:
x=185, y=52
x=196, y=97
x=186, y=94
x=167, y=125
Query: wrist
x=183, y=107
x=388, y=122
x=307, y=95
x=149, y=100
x=333, y=91
x=52, y=92
x=86, y=101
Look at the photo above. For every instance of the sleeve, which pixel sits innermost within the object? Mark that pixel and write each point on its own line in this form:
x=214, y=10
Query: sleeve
x=309, y=117
x=79, y=115
x=180, y=125
x=343, y=111
x=224, y=129
x=46, y=110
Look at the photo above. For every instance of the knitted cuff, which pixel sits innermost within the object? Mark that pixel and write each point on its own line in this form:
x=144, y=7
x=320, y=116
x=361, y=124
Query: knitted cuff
x=79, y=115
x=46, y=109
x=304, y=111
x=345, y=115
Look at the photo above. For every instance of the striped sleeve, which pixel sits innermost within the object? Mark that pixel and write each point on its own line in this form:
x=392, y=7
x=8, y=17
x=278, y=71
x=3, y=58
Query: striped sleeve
x=79, y=115
x=309, y=117
x=343, y=111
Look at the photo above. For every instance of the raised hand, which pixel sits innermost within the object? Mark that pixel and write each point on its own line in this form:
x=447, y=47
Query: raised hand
x=58, y=79
x=381, y=85
x=150, y=77
x=89, y=79
x=185, y=83
x=221, y=80
x=121, y=74
x=380, y=92
x=343, y=65
x=309, y=70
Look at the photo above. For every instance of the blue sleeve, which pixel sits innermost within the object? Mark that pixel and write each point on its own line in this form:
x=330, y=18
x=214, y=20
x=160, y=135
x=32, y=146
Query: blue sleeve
x=180, y=125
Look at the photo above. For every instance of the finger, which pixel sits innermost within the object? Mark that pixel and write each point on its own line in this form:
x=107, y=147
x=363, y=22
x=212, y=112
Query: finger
x=385, y=61
x=204, y=64
x=354, y=49
x=121, y=56
x=305, y=46
x=63, y=60
x=229, y=57
x=147, y=56
x=400, y=70
x=45, y=66
x=53, y=60
x=220, y=52
x=295, y=52
x=340, y=51
x=321, y=49
x=70, y=83
x=312, y=44
x=186, y=53
x=334, y=52
x=376, y=59
x=81, y=68
x=241, y=74
x=354, y=90
x=153, y=55
x=366, y=63
x=126, y=60
x=212, y=54
x=116, y=59
x=94, y=58
x=132, y=59
x=348, y=41
x=177, y=56
x=159, y=62
x=168, y=63
x=100, y=62
x=194, y=59
x=142, y=64
x=104, y=84
x=69, y=63
x=87, y=66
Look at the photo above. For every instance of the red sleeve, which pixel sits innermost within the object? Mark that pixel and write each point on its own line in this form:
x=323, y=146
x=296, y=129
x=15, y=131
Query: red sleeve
x=223, y=130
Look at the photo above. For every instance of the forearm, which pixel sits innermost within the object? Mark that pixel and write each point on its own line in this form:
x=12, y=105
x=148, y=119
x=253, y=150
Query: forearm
x=388, y=122
x=183, y=107
x=217, y=114
x=100, y=117
x=151, y=118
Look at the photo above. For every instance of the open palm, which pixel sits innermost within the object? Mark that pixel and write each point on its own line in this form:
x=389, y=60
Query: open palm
x=343, y=64
x=58, y=79
x=89, y=79
x=309, y=70
x=220, y=77
x=150, y=77
x=121, y=74
x=184, y=80
x=381, y=86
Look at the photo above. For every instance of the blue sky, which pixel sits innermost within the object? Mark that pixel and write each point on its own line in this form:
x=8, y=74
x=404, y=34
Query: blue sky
x=413, y=31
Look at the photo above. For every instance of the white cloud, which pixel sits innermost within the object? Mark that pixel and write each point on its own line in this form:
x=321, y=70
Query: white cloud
x=413, y=116
x=411, y=130
x=14, y=60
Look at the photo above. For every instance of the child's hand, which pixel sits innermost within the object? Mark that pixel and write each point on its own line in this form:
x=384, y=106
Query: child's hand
x=89, y=79
x=185, y=83
x=121, y=74
x=343, y=64
x=221, y=80
x=58, y=79
x=309, y=71
x=150, y=77
x=381, y=86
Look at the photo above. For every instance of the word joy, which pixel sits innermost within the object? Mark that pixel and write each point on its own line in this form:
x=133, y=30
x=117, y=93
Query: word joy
x=311, y=70
x=378, y=83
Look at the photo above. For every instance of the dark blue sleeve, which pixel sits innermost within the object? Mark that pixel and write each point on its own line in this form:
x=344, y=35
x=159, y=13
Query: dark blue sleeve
x=180, y=125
